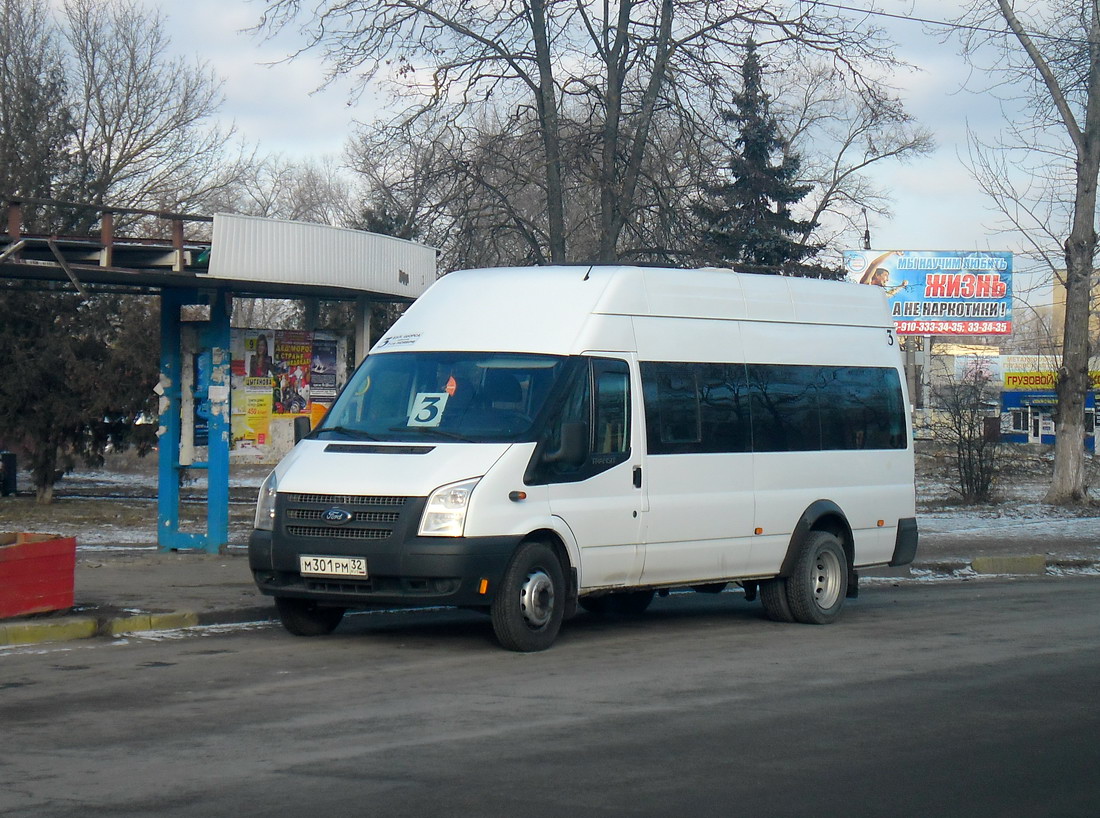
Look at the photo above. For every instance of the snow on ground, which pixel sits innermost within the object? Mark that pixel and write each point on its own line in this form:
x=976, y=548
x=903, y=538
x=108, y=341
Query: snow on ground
x=1041, y=519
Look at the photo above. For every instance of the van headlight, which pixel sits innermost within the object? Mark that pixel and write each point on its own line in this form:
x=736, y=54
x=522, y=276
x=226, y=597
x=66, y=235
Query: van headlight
x=445, y=512
x=265, y=504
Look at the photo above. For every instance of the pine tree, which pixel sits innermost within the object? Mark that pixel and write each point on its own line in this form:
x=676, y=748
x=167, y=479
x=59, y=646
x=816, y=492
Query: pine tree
x=78, y=372
x=747, y=220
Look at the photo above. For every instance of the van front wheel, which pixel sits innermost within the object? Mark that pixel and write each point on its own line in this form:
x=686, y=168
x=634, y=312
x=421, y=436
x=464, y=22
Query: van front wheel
x=819, y=582
x=529, y=604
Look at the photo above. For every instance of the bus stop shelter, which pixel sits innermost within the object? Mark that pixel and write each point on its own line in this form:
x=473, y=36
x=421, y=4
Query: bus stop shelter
x=245, y=257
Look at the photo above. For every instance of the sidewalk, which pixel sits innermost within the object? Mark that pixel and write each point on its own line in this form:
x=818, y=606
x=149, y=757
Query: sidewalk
x=128, y=588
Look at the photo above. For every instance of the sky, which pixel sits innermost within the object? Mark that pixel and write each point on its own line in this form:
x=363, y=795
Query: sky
x=937, y=206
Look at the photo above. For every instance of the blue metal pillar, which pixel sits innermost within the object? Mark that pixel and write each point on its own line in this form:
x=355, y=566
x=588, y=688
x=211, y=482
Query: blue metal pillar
x=215, y=338
x=213, y=399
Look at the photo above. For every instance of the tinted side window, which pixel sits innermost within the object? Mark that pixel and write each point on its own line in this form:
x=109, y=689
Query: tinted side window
x=784, y=401
x=861, y=408
x=695, y=407
x=704, y=407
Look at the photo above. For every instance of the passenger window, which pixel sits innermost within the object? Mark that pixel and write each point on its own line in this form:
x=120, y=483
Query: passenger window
x=784, y=408
x=695, y=408
x=612, y=427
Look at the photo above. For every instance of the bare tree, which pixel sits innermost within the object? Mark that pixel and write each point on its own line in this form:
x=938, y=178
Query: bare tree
x=1053, y=63
x=965, y=409
x=92, y=109
x=841, y=131
x=276, y=187
x=35, y=116
x=624, y=63
x=142, y=131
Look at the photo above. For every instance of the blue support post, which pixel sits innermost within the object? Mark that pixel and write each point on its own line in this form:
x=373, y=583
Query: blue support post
x=214, y=338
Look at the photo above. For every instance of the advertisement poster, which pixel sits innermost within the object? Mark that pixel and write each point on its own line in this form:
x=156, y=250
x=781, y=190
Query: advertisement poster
x=323, y=369
x=257, y=410
x=940, y=292
x=293, y=356
x=278, y=375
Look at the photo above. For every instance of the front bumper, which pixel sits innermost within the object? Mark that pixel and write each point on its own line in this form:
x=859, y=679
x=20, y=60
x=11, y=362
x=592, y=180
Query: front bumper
x=417, y=572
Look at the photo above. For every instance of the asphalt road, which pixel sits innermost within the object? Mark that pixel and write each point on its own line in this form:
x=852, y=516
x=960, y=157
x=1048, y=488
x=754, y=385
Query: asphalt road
x=972, y=698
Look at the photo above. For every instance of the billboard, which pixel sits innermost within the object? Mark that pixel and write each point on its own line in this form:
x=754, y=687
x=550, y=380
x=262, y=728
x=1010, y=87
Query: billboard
x=940, y=292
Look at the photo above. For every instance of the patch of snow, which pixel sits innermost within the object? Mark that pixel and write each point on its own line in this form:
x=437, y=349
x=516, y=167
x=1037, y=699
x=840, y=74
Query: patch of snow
x=195, y=630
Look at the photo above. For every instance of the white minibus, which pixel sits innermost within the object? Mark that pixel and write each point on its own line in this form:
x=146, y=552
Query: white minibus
x=526, y=441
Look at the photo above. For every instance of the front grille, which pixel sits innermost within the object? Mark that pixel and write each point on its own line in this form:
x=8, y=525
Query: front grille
x=365, y=518
x=337, y=533
x=346, y=500
x=358, y=516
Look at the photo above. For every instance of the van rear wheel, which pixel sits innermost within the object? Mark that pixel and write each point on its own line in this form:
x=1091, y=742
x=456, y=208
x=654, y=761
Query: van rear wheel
x=527, y=611
x=818, y=583
x=303, y=617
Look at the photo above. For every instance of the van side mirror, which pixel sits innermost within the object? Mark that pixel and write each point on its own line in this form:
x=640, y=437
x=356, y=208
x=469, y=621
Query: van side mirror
x=302, y=427
x=574, y=445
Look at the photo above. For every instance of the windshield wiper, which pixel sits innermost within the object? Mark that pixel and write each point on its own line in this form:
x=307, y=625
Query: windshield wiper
x=432, y=431
x=344, y=430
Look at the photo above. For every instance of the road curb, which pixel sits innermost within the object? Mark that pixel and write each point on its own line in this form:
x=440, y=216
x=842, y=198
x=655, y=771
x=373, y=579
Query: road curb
x=1032, y=564
x=135, y=623
x=37, y=631
x=69, y=628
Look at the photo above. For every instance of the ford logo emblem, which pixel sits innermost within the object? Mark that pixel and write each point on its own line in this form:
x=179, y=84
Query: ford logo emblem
x=336, y=516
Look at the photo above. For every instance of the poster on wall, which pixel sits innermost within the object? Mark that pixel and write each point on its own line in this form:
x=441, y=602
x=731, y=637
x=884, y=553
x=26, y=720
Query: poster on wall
x=940, y=292
x=293, y=354
x=279, y=375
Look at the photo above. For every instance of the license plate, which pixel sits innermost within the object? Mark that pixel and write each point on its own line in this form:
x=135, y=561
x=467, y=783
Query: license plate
x=332, y=566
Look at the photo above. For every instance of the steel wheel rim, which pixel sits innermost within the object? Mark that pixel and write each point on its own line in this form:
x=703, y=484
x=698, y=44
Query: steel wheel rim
x=536, y=598
x=827, y=579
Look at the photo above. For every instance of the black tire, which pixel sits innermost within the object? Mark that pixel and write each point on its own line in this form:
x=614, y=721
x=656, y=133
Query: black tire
x=818, y=584
x=528, y=608
x=773, y=596
x=303, y=617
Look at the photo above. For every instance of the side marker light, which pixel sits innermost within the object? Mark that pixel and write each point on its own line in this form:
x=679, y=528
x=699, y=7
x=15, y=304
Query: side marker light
x=483, y=587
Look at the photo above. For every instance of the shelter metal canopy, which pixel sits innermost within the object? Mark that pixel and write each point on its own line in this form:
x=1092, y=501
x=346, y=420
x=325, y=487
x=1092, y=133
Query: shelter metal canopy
x=247, y=257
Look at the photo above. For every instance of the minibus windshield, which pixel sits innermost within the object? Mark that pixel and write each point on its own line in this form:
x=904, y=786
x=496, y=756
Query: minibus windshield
x=444, y=396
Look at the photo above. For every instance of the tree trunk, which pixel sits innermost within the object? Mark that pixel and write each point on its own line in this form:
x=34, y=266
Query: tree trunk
x=547, y=103
x=1068, y=482
x=44, y=470
x=618, y=188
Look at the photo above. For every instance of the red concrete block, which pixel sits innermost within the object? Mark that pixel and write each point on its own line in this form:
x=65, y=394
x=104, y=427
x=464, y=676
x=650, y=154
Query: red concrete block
x=36, y=573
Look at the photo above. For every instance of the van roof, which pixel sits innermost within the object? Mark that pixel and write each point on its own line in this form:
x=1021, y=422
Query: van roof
x=546, y=309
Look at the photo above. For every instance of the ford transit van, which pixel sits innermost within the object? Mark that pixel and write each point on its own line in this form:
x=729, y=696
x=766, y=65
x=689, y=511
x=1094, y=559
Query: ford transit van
x=526, y=441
